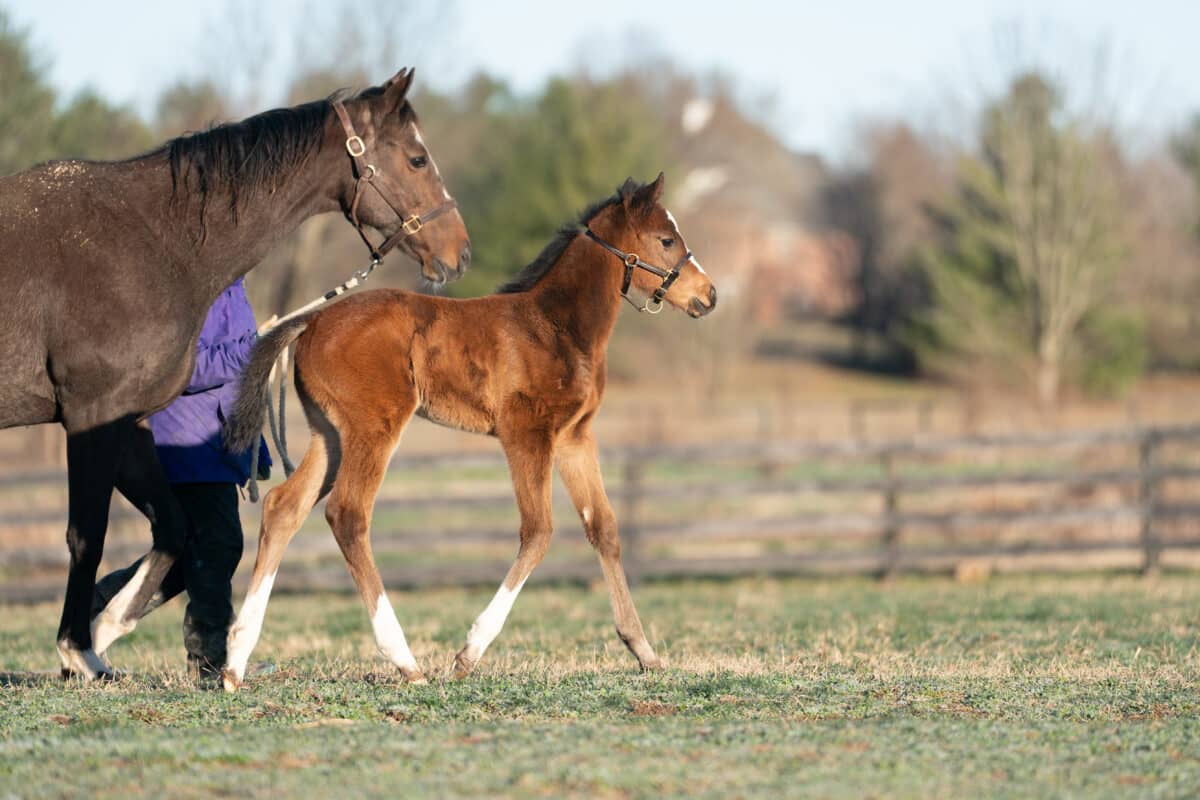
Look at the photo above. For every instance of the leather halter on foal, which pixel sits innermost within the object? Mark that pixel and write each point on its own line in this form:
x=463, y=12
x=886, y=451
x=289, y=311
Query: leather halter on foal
x=367, y=173
x=631, y=260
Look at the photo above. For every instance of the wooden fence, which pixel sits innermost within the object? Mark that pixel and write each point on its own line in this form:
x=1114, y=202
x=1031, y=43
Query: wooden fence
x=734, y=509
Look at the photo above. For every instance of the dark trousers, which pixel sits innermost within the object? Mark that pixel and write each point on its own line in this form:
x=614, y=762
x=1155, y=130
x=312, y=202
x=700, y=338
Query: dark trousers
x=211, y=556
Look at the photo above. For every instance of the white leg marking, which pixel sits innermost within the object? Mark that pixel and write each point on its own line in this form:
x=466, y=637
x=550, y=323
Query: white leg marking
x=488, y=624
x=84, y=663
x=390, y=636
x=586, y=513
x=244, y=633
x=110, y=624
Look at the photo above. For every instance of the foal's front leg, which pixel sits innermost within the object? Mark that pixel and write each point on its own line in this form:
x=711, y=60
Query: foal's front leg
x=579, y=466
x=529, y=464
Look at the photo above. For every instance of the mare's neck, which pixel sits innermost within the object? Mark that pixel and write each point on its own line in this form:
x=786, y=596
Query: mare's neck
x=223, y=248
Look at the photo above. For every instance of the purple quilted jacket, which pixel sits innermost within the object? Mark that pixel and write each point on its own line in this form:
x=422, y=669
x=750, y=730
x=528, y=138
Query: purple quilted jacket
x=187, y=433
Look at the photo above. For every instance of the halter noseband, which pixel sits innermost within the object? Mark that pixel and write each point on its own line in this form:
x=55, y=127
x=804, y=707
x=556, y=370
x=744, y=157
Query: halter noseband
x=366, y=176
x=654, y=303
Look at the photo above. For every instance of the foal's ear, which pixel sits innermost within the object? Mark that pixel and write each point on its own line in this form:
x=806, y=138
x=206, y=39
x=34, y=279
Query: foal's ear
x=646, y=198
x=397, y=86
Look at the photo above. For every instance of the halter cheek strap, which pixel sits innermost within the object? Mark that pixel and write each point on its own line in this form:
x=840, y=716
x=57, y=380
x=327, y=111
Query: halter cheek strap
x=367, y=173
x=654, y=303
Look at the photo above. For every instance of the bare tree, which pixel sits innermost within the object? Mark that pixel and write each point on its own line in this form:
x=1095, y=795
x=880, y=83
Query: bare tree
x=1032, y=238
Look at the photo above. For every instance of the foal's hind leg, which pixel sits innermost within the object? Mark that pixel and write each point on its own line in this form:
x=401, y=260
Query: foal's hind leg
x=580, y=470
x=349, y=514
x=284, y=510
x=529, y=464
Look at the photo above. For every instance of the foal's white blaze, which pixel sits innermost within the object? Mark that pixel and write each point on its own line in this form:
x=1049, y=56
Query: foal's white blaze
x=110, y=624
x=244, y=633
x=488, y=624
x=390, y=636
x=695, y=263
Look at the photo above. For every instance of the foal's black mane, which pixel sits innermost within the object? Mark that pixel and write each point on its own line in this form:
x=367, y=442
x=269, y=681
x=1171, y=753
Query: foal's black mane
x=525, y=280
x=247, y=157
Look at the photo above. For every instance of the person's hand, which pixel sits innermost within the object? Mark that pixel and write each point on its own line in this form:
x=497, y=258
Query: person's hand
x=266, y=326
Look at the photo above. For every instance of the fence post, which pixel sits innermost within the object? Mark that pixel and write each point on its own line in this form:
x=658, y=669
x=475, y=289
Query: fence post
x=631, y=498
x=890, y=541
x=1148, y=502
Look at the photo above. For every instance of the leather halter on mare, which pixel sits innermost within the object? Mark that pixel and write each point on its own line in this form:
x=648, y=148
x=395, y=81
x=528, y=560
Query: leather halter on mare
x=632, y=260
x=367, y=173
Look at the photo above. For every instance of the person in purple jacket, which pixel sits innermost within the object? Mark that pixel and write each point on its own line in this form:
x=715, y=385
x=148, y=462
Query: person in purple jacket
x=205, y=478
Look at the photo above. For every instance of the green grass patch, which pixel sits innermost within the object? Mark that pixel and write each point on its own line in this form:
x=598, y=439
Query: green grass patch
x=1078, y=686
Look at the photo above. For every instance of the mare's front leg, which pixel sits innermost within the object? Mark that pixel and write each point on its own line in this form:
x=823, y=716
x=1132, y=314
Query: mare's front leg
x=529, y=462
x=579, y=466
x=142, y=481
x=93, y=456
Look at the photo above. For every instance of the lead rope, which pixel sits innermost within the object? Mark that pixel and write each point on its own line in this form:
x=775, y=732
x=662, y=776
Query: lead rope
x=280, y=370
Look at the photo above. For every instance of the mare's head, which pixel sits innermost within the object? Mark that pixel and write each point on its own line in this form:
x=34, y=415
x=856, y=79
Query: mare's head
x=651, y=250
x=399, y=189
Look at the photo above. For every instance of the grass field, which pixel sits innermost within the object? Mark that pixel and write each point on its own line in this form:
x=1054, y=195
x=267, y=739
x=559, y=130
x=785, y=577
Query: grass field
x=1051, y=686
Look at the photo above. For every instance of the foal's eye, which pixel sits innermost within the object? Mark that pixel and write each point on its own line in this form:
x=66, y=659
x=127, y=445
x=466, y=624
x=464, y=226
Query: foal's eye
x=418, y=162
x=668, y=243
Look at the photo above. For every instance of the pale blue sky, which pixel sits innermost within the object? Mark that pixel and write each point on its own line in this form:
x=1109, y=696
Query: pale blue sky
x=825, y=66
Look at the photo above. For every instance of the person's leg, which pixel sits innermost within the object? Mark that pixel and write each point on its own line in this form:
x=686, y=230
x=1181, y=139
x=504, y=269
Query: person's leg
x=211, y=558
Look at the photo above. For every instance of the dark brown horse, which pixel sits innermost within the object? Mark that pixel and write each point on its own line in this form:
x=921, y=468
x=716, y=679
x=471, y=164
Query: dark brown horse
x=526, y=365
x=108, y=268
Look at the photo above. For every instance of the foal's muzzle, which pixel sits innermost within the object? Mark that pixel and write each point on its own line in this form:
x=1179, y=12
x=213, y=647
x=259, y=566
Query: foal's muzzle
x=697, y=307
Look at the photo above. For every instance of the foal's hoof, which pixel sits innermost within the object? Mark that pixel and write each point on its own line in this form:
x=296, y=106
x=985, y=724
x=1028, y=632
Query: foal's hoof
x=230, y=680
x=413, y=676
x=463, y=665
x=652, y=665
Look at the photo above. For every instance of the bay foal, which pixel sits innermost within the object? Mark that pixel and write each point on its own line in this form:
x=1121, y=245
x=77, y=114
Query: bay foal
x=526, y=365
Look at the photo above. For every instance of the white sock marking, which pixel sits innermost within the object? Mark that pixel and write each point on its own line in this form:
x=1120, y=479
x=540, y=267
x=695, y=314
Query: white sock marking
x=390, y=636
x=244, y=633
x=84, y=663
x=488, y=624
x=110, y=624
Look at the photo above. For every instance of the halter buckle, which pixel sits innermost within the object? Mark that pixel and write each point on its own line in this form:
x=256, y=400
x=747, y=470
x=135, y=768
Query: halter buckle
x=367, y=176
x=652, y=306
x=355, y=146
x=631, y=259
x=411, y=225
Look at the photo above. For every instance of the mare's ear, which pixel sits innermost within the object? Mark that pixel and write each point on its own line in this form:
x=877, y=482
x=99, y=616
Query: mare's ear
x=396, y=89
x=643, y=200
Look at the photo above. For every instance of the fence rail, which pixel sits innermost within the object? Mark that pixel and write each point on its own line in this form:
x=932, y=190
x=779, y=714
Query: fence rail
x=879, y=541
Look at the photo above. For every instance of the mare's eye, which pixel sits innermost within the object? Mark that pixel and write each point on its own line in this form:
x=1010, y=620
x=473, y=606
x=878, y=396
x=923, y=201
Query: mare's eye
x=668, y=243
x=418, y=162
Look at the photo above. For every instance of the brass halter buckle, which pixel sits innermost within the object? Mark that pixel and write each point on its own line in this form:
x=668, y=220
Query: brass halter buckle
x=411, y=225
x=356, y=147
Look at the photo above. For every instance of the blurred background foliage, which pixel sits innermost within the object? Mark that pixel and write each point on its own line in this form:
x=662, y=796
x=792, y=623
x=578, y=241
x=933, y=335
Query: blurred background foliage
x=1034, y=251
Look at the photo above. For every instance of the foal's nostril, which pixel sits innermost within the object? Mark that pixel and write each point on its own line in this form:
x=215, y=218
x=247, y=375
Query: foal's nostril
x=712, y=297
x=464, y=258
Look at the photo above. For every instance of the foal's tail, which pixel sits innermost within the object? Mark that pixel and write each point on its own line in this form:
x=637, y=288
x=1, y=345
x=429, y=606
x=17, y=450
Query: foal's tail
x=243, y=428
